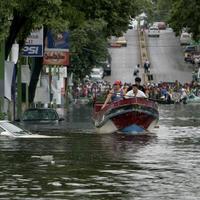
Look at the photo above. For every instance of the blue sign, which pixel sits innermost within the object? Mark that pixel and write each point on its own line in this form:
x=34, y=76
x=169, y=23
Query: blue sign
x=33, y=50
x=57, y=41
x=34, y=44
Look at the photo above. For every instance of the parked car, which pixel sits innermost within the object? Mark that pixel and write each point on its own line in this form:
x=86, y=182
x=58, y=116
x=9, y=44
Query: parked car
x=130, y=26
x=107, y=68
x=192, y=54
x=188, y=57
x=154, y=31
x=185, y=38
x=160, y=25
x=121, y=41
x=8, y=129
x=196, y=58
x=40, y=119
x=97, y=73
x=106, y=64
x=191, y=48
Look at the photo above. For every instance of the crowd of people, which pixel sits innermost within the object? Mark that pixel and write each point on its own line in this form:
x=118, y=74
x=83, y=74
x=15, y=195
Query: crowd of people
x=90, y=89
x=165, y=92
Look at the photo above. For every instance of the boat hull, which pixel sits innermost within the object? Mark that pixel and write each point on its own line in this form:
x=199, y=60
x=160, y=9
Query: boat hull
x=132, y=116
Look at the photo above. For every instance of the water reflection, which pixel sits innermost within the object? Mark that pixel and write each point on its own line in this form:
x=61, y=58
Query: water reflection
x=180, y=115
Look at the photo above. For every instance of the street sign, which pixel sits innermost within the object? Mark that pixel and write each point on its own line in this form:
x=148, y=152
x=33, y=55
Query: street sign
x=34, y=44
x=56, y=57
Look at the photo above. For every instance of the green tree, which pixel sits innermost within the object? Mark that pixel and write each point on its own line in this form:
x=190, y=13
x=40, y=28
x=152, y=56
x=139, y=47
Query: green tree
x=146, y=6
x=20, y=17
x=186, y=14
x=161, y=10
x=116, y=13
x=90, y=22
x=88, y=45
x=102, y=19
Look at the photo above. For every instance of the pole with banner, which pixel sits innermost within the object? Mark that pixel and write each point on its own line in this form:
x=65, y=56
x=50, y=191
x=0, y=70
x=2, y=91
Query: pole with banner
x=14, y=58
x=33, y=48
x=50, y=81
x=2, y=59
x=19, y=91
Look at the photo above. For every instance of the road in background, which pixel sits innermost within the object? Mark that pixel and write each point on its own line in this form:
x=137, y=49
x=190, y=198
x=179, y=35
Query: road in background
x=124, y=59
x=167, y=59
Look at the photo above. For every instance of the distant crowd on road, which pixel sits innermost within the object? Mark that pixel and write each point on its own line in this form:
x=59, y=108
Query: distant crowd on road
x=167, y=92
x=163, y=92
x=89, y=89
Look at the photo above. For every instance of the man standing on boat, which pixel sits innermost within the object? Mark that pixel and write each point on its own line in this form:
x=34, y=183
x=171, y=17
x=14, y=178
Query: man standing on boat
x=135, y=92
x=117, y=93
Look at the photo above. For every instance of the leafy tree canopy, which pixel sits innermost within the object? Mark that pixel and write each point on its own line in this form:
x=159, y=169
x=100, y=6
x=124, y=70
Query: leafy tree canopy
x=116, y=13
x=20, y=17
x=102, y=19
x=186, y=14
x=89, y=22
x=88, y=45
x=145, y=6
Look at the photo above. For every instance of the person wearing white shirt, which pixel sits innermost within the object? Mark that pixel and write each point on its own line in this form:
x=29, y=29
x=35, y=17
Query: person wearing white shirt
x=135, y=92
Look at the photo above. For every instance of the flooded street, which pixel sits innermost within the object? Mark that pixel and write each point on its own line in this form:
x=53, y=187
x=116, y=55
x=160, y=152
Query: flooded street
x=86, y=165
x=82, y=164
x=100, y=100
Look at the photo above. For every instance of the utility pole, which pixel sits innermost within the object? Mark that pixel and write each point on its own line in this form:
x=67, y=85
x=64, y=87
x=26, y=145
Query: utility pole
x=50, y=80
x=14, y=58
x=2, y=60
x=19, y=91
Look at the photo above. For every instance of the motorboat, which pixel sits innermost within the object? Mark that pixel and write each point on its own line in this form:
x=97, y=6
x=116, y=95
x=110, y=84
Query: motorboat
x=132, y=116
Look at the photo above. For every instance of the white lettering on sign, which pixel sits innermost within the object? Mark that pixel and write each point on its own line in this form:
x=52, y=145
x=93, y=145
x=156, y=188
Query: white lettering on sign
x=31, y=50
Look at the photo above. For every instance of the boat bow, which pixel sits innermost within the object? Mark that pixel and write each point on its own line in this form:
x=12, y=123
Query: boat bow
x=133, y=114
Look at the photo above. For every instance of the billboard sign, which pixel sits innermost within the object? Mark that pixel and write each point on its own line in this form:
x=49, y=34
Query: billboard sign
x=34, y=44
x=56, y=57
x=57, y=40
x=56, y=49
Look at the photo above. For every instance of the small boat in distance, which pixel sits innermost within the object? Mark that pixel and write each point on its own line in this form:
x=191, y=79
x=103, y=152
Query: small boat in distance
x=132, y=116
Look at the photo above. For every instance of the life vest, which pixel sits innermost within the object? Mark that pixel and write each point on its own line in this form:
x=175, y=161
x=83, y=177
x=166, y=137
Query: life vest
x=117, y=95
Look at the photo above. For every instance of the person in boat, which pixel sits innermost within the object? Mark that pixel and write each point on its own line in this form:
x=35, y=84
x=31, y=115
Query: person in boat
x=135, y=92
x=115, y=94
x=138, y=83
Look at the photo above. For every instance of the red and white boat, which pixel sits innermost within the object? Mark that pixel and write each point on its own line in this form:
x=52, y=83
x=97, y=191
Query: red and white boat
x=133, y=115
